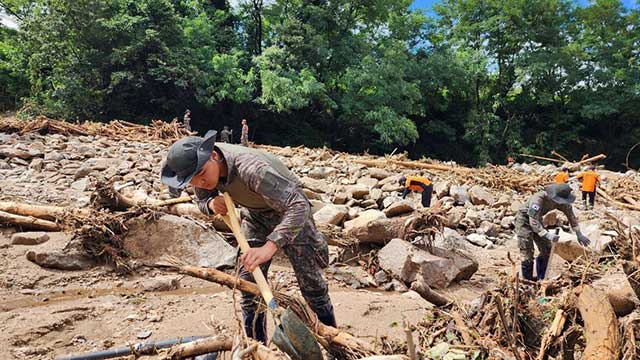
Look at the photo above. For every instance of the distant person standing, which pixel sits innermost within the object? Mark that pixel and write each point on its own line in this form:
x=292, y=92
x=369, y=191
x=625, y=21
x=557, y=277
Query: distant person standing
x=590, y=180
x=187, y=119
x=244, y=137
x=226, y=135
x=563, y=176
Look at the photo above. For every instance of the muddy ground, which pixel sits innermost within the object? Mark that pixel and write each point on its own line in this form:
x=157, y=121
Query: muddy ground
x=46, y=313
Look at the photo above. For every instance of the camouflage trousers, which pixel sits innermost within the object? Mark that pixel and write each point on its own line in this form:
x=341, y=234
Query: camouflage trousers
x=308, y=255
x=526, y=239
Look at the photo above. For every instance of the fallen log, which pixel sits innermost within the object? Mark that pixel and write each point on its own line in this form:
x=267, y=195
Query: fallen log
x=28, y=222
x=601, y=329
x=334, y=340
x=542, y=158
x=633, y=276
x=592, y=159
x=604, y=194
x=201, y=346
x=429, y=294
x=413, y=164
x=46, y=212
x=552, y=332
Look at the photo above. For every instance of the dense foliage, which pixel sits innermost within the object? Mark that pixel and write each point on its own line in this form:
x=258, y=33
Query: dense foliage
x=481, y=80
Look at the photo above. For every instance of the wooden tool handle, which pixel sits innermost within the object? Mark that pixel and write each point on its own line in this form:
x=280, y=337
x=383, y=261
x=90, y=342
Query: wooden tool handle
x=232, y=221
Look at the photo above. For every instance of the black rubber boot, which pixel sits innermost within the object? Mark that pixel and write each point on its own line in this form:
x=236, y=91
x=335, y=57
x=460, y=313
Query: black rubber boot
x=541, y=266
x=527, y=270
x=326, y=316
x=260, y=326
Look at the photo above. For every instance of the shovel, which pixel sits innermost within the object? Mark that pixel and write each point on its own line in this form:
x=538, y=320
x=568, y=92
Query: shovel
x=291, y=334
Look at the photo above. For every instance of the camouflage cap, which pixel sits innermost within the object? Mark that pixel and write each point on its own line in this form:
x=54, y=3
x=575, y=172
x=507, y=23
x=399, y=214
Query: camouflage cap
x=185, y=159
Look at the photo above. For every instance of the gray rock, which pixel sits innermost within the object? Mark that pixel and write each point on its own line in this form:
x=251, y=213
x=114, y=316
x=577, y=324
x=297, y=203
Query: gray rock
x=441, y=189
x=82, y=172
x=399, y=208
x=450, y=239
x=480, y=196
x=182, y=238
x=363, y=219
x=389, y=200
x=380, y=277
x=313, y=184
x=53, y=156
x=507, y=222
x=340, y=198
x=61, y=260
x=29, y=238
x=36, y=164
x=368, y=182
x=406, y=262
x=160, y=283
x=331, y=214
x=478, y=239
x=488, y=228
x=473, y=216
x=80, y=185
x=322, y=172
x=455, y=216
x=460, y=194
x=375, y=194
x=378, y=173
x=358, y=191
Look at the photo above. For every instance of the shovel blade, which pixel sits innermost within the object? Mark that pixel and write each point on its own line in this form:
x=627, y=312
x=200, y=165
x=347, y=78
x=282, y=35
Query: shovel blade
x=294, y=338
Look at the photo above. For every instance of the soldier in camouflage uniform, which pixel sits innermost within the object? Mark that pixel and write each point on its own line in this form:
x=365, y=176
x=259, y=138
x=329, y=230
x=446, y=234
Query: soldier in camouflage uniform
x=276, y=214
x=529, y=228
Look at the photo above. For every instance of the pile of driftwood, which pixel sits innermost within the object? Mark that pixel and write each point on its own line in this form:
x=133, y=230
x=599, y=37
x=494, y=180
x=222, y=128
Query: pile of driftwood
x=158, y=131
x=525, y=320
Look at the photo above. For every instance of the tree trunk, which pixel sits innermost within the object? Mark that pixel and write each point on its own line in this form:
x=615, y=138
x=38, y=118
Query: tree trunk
x=28, y=222
x=601, y=329
x=201, y=346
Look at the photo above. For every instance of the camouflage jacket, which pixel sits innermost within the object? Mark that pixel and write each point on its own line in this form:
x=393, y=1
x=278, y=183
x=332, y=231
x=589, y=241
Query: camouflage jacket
x=538, y=205
x=260, y=182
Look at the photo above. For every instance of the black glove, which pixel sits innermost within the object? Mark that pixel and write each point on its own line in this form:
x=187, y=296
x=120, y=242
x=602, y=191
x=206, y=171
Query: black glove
x=583, y=240
x=551, y=236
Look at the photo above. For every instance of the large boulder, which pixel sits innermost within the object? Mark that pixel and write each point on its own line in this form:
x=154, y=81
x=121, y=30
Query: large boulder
x=378, y=231
x=450, y=239
x=480, y=196
x=358, y=191
x=441, y=189
x=318, y=186
x=460, y=194
x=378, y=173
x=455, y=216
x=179, y=237
x=408, y=262
x=399, y=208
x=368, y=182
x=363, y=219
x=331, y=214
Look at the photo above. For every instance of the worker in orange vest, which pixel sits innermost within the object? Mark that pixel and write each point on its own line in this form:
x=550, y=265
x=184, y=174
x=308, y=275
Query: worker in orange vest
x=419, y=184
x=563, y=176
x=590, y=179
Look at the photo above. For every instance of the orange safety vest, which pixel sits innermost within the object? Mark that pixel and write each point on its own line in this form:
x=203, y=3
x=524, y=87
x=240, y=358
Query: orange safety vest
x=589, y=180
x=562, y=177
x=414, y=179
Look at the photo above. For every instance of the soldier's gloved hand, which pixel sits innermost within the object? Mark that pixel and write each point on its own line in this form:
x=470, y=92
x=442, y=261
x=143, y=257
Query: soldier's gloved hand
x=551, y=236
x=582, y=239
